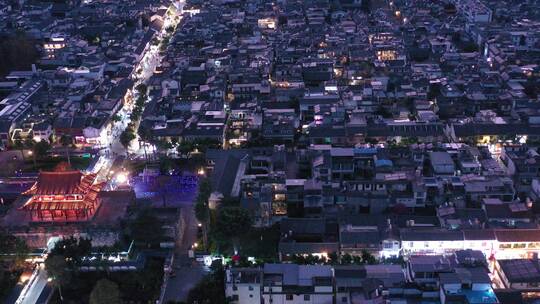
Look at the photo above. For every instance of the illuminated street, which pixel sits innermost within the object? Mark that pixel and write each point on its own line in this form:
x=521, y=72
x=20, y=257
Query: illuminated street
x=35, y=287
x=148, y=64
x=255, y=152
x=188, y=272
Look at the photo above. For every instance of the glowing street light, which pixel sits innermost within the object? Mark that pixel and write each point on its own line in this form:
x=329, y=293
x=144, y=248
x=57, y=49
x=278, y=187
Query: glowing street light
x=201, y=171
x=121, y=178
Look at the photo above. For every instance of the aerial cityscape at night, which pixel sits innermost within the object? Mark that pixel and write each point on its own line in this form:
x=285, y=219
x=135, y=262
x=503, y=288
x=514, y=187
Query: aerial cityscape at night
x=270, y=151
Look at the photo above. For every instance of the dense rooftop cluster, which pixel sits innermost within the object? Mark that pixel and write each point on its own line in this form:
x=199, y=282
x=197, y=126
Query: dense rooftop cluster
x=321, y=72
x=398, y=133
x=400, y=129
x=90, y=54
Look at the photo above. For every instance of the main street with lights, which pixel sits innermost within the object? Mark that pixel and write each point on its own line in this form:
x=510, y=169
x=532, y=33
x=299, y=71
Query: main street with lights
x=38, y=284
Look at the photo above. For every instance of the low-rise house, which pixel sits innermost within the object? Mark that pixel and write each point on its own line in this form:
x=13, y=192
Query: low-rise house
x=291, y=283
x=305, y=236
x=427, y=269
x=442, y=163
x=519, y=274
x=243, y=285
x=510, y=215
x=467, y=285
x=42, y=131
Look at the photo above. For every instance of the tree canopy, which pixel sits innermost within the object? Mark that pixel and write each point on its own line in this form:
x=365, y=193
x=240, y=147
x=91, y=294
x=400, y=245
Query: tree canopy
x=126, y=137
x=142, y=89
x=201, y=203
x=65, y=258
x=231, y=221
x=72, y=249
x=66, y=140
x=41, y=148
x=58, y=269
x=105, y=292
x=146, y=229
x=16, y=53
x=210, y=289
x=10, y=244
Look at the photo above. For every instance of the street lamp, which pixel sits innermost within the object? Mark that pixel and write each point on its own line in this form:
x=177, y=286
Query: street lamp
x=31, y=153
x=121, y=178
x=201, y=172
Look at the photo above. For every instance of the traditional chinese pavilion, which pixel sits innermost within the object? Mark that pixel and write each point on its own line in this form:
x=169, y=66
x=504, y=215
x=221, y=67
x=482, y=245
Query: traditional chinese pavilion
x=63, y=196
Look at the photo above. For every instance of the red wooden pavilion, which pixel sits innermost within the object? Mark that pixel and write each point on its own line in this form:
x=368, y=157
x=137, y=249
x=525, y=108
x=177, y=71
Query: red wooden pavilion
x=63, y=196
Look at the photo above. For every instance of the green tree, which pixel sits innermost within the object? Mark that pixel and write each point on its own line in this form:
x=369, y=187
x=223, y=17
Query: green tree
x=66, y=140
x=142, y=89
x=332, y=258
x=105, y=292
x=126, y=137
x=311, y=259
x=145, y=134
x=368, y=258
x=139, y=103
x=41, y=148
x=10, y=244
x=232, y=221
x=11, y=266
x=116, y=118
x=146, y=229
x=59, y=272
x=210, y=289
x=65, y=259
x=346, y=259
x=135, y=114
x=202, y=212
x=72, y=249
x=205, y=189
x=19, y=145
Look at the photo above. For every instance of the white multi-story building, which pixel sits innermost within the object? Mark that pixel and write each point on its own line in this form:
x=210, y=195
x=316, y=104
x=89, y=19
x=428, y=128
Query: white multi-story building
x=474, y=10
x=243, y=285
x=499, y=243
x=281, y=284
x=295, y=284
